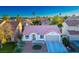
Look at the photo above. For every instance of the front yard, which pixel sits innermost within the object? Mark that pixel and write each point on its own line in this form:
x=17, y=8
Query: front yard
x=35, y=47
x=8, y=48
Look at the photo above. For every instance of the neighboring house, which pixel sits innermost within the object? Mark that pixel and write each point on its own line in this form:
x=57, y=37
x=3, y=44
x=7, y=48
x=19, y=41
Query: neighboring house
x=71, y=28
x=28, y=21
x=44, y=21
x=10, y=25
x=43, y=32
x=14, y=25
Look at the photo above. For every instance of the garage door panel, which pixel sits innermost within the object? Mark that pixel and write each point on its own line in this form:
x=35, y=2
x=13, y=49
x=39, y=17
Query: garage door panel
x=53, y=38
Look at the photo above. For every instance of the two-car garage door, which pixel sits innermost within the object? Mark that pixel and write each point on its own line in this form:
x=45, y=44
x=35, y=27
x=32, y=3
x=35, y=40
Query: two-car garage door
x=53, y=37
x=54, y=44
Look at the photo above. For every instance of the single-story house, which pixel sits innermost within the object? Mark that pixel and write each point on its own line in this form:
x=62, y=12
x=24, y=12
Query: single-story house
x=50, y=34
x=28, y=21
x=43, y=32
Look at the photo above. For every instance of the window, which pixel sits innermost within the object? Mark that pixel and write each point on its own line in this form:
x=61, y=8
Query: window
x=41, y=36
x=27, y=36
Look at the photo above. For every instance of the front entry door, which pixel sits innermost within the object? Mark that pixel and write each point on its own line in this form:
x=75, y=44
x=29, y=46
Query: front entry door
x=33, y=37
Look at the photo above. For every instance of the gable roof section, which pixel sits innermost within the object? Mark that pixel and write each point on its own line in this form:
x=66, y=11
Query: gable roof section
x=72, y=22
x=72, y=32
x=73, y=18
x=43, y=29
x=14, y=25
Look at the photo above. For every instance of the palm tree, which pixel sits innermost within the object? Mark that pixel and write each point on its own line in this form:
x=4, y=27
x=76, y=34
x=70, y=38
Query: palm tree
x=27, y=17
x=59, y=14
x=17, y=17
x=33, y=13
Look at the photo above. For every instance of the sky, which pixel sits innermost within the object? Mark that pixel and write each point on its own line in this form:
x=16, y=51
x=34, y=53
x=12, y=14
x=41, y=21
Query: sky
x=38, y=10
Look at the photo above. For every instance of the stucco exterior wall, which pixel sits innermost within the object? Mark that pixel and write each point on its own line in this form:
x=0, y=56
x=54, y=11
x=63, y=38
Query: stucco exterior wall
x=46, y=37
x=30, y=37
x=76, y=28
x=65, y=28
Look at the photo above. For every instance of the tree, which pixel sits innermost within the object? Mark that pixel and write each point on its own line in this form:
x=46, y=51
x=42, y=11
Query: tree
x=5, y=18
x=7, y=28
x=33, y=13
x=2, y=37
x=65, y=17
x=60, y=14
x=6, y=32
x=60, y=25
x=17, y=17
x=20, y=25
x=58, y=20
x=36, y=22
x=26, y=17
x=20, y=36
x=66, y=42
x=49, y=18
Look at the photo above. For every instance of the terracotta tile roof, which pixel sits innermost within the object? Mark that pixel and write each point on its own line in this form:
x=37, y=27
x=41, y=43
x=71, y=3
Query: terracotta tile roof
x=72, y=32
x=29, y=21
x=43, y=29
x=43, y=19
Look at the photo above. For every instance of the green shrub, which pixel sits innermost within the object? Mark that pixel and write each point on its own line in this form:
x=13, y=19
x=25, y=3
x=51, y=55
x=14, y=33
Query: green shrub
x=37, y=47
x=60, y=25
x=66, y=42
x=18, y=49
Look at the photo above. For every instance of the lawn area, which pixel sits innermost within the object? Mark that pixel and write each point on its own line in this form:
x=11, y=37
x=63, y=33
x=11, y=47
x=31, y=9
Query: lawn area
x=8, y=48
